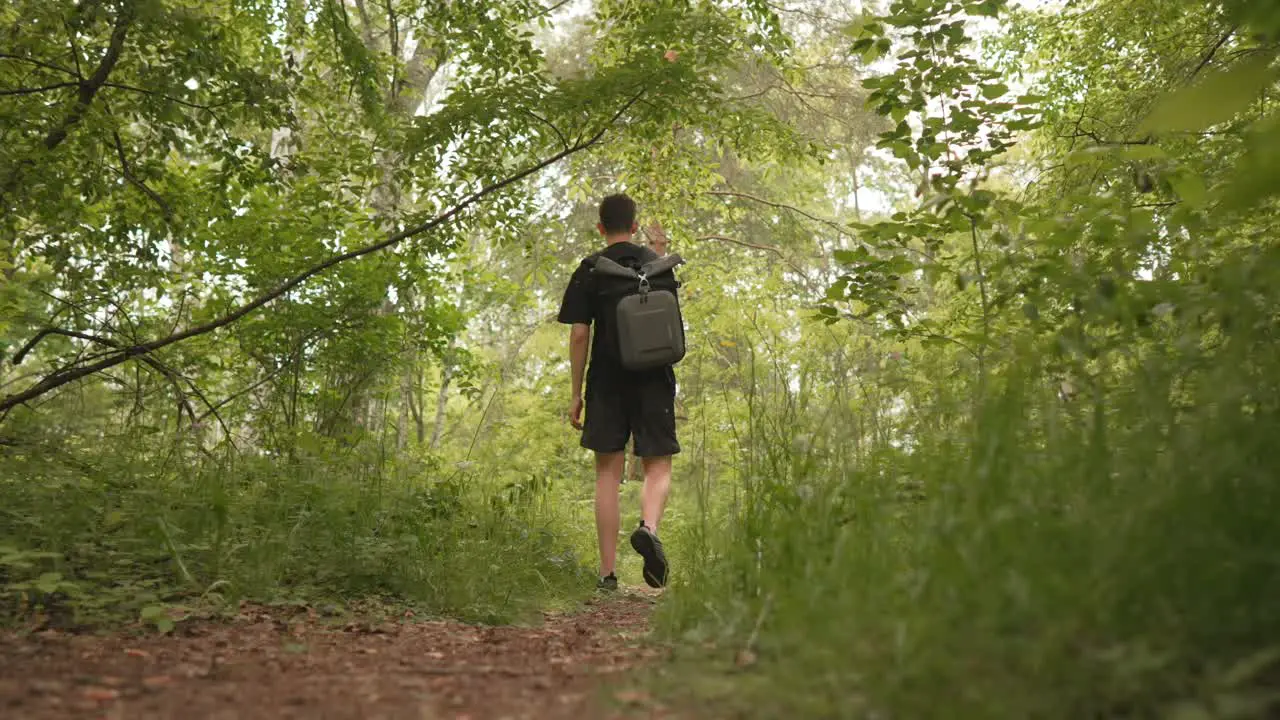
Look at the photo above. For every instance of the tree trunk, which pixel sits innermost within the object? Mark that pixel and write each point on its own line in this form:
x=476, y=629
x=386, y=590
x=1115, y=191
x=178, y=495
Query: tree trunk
x=442, y=399
x=417, y=404
x=407, y=376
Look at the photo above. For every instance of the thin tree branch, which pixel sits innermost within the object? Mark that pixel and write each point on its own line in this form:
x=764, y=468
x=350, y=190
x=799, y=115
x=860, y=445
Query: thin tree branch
x=31, y=344
x=743, y=243
x=986, y=307
x=394, y=23
x=174, y=378
x=831, y=223
x=1103, y=141
x=842, y=229
x=366, y=25
x=133, y=179
x=38, y=63
x=754, y=246
x=35, y=90
x=170, y=98
x=57, y=380
x=564, y=142
x=242, y=392
x=1208, y=56
x=549, y=10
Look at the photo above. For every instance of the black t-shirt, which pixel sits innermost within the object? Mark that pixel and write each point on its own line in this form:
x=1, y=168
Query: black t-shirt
x=582, y=305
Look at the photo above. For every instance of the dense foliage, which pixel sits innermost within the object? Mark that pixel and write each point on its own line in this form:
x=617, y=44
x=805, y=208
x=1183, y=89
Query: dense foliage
x=981, y=303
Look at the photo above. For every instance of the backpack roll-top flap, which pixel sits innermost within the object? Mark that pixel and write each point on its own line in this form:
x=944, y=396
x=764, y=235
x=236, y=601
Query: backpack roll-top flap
x=663, y=264
x=606, y=266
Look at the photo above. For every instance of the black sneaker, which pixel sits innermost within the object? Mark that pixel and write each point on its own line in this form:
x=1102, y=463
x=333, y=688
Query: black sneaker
x=608, y=583
x=655, y=561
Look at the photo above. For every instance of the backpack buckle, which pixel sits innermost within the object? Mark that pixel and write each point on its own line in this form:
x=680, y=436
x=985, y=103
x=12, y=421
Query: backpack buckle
x=644, y=284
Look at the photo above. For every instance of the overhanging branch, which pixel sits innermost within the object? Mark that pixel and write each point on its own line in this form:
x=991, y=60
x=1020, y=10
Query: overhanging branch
x=755, y=246
x=71, y=374
x=783, y=206
x=36, y=90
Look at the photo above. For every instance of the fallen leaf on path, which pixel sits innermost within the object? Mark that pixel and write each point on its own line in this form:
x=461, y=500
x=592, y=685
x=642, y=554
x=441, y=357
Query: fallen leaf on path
x=48, y=686
x=632, y=697
x=100, y=694
x=134, y=652
x=157, y=681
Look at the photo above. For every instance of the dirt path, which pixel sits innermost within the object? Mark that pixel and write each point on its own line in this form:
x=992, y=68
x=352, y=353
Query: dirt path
x=270, y=665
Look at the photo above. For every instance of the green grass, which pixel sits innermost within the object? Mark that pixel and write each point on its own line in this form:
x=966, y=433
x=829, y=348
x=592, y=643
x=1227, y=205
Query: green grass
x=1117, y=555
x=126, y=530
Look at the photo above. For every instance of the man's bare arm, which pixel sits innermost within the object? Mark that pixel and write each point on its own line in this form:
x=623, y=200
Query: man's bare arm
x=579, y=340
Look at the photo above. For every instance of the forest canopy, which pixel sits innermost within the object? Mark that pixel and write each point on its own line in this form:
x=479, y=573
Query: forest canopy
x=980, y=299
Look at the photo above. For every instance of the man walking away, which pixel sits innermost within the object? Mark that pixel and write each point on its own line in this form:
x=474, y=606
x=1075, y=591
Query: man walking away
x=619, y=403
x=656, y=238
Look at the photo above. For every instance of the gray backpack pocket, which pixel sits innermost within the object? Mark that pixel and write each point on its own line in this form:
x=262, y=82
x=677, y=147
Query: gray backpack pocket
x=650, y=330
x=648, y=323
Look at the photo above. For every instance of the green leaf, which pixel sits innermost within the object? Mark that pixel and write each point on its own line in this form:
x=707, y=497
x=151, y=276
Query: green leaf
x=995, y=90
x=836, y=292
x=157, y=615
x=1188, y=710
x=987, y=8
x=1215, y=98
x=1190, y=187
x=49, y=582
x=874, y=52
x=1143, y=152
x=849, y=257
x=1257, y=174
x=1249, y=668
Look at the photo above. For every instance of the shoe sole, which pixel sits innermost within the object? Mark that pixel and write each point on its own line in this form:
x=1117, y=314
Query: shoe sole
x=655, y=566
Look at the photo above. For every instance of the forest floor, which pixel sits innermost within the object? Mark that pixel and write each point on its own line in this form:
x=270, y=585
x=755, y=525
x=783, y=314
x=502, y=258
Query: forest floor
x=274, y=663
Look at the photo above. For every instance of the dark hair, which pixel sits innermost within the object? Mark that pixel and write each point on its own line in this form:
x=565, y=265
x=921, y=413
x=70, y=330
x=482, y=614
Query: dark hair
x=617, y=213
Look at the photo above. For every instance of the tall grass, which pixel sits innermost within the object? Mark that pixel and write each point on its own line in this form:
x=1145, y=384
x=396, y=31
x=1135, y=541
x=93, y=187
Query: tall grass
x=1010, y=553
x=120, y=529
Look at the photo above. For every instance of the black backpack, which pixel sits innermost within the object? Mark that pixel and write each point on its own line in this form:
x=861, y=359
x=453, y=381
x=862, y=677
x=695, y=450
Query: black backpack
x=647, y=319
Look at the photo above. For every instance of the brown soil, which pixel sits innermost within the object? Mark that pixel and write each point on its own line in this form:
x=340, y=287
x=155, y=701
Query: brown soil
x=269, y=664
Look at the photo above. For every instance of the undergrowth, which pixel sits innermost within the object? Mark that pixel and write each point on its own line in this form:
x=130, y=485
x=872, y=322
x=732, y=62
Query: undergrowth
x=1009, y=550
x=117, y=533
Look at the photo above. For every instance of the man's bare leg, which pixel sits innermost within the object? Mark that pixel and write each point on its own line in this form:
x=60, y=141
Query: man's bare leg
x=632, y=471
x=653, y=498
x=608, y=475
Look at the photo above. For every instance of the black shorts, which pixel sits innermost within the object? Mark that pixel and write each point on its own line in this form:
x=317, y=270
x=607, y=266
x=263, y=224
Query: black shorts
x=639, y=404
